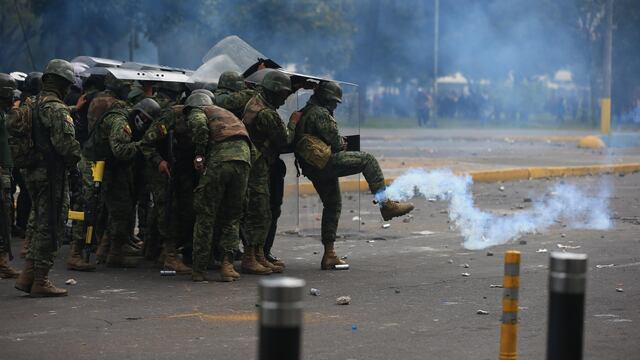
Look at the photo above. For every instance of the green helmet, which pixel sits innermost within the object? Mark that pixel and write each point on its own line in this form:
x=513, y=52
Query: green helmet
x=136, y=94
x=275, y=81
x=61, y=68
x=7, y=85
x=148, y=107
x=197, y=100
x=329, y=91
x=204, y=91
x=231, y=80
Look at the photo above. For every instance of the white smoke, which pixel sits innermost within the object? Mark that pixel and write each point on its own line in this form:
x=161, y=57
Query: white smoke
x=482, y=229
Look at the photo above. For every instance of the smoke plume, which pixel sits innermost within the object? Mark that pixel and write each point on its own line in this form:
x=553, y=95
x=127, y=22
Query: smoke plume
x=482, y=229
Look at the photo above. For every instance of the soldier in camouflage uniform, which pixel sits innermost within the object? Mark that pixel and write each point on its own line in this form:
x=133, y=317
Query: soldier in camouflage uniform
x=111, y=140
x=223, y=156
x=232, y=93
x=271, y=137
x=172, y=179
x=7, y=85
x=317, y=123
x=57, y=151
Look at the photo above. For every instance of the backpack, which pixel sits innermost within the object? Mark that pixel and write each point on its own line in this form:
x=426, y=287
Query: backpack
x=310, y=148
x=20, y=128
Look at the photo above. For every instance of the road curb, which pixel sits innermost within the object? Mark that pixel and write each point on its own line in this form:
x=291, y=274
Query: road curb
x=489, y=176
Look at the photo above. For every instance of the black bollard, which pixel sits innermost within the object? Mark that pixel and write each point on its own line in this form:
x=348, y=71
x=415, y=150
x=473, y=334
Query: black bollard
x=567, y=284
x=280, y=317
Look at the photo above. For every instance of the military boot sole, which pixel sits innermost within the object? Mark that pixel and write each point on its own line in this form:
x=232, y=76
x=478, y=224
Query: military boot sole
x=228, y=279
x=387, y=217
x=256, y=272
x=88, y=268
x=23, y=288
x=47, y=294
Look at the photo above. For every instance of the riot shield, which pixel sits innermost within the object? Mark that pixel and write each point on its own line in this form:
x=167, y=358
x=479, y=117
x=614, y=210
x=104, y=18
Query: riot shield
x=302, y=208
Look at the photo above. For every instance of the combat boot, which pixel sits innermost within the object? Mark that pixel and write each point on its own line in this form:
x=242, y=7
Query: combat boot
x=390, y=209
x=103, y=249
x=249, y=265
x=42, y=287
x=274, y=260
x=227, y=272
x=6, y=271
x=25, y=247
x=200, y=276
x=25, y=280
x=76, y=261
x=262, y=260
x=329, y=258
x=117, y=257
x=172, y=262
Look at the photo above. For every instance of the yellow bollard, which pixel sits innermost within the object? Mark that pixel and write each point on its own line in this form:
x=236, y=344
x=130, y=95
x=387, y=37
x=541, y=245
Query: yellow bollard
x=605, y=115
x=511, y=285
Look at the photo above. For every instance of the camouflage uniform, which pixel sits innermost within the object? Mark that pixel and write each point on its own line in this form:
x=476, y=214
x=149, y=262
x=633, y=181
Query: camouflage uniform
x=5, y=186
x=271, y=137
x=220, y=194
x=174, y=216
x=234, y=101
x=318, y=121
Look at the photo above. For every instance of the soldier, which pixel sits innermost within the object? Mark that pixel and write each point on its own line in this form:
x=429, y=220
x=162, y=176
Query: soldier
x=112, y=140
x=56, y=151
x=320, y=151
x=232, y=93
x=223, y=157
x=270, y=136
x=7, y=85
x=168, y=148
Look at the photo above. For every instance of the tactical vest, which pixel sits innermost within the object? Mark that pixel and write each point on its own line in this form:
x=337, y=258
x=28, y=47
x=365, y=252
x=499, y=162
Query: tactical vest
x=223, y=124
x=20, y=127
x=251, y=111
x=98, y=107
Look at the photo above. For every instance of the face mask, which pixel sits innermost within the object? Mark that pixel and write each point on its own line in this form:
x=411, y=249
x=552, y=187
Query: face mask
x=331, y=106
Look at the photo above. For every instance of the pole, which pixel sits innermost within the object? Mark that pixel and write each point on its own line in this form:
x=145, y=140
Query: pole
x=509, y=327
x=436, y=36
x=567, y=284
x=605, y=102
x=280, y=318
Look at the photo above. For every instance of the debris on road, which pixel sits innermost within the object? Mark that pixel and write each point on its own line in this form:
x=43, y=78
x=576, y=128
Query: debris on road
x=386, y=226
x=343, y=300
x=465, y=274
x=344, y=257
x=482, y=312
x=370, y=241
x=314, y=292
x=489, y=253
x=431, y=199
x=501, y=188
x=423, y=232
x=495, y=286
x=568, y=246
x=355, y=218
x=527, y=200
x=619, y=290
x=542, y=251
x=523, y=242
x=71, y=282
x=167, y=273
x=605, y=266
x=450, y=261
x=563, y=235
x=397, y=291
x=466, y=266
x=407, y=219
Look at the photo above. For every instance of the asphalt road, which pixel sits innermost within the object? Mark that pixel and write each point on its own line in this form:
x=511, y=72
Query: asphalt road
x=409, y=300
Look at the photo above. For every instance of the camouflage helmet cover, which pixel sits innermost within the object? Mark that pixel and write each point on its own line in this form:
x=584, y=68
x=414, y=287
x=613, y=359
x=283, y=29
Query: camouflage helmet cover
x=204, y=91
x=61, y=68
x=7, y=86
x=276, y=81
x=231, y=80
x=329, y=91
x=197, y=100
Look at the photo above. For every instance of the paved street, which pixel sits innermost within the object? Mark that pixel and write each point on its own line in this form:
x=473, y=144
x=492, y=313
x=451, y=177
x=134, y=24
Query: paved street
x=409, y=300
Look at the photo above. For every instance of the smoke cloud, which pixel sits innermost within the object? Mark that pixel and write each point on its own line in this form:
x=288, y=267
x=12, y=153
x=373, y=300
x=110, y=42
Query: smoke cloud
x=481, y=229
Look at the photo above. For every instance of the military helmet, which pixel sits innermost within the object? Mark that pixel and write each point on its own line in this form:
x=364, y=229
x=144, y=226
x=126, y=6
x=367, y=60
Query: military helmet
x=136, y=92
x=113, y=83
x=197, y=100
x=329, y=91
x=231, y=80
x=204, y=91
x=276, y=81
x=7, y=86
x=33, y=82
x=149, y=107
x=61, y=68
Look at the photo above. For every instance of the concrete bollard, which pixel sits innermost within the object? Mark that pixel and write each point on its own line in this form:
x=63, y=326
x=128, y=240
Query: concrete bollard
x=567, y=285
x=509, y=327
x=280, y=318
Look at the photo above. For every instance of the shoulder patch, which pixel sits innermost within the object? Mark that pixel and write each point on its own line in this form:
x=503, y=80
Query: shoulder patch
x=69, y=119
x=127, y=129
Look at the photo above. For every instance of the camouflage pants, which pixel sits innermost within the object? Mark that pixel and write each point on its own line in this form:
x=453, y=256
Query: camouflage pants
x=42, y=251
x=5, y=187
x=276, y=193
x=257, y=220
x=119, y=199
x=326, y=183
x=174, y=217
x=219, y=202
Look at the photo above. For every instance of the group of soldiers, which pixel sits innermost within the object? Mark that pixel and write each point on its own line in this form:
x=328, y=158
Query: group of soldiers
x=196, y=170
